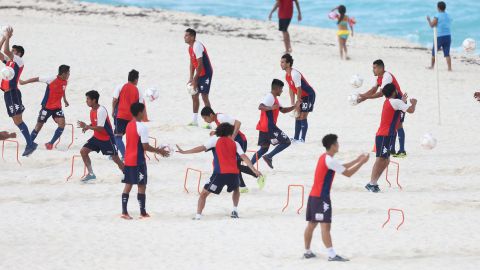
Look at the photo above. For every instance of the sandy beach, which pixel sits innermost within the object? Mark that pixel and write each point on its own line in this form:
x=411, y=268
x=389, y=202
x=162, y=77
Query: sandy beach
x=48, y=223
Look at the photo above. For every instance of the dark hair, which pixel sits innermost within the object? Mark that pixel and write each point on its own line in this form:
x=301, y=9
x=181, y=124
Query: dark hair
x=137, y=108
x=329, y=140
x=441, y=5
x=206, y=111
x=63, y=69
x=224, y=130
x=288, y=58
x=191, y=32
x=93, y=95
x=133, y=75
x=20, y=49
x=342, y=10
x=388, y=90
x=277, y=83
x=379, y=63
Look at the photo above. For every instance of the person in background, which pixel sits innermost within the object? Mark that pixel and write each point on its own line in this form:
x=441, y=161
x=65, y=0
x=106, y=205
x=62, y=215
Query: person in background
x=285, y=14
x=444, y=39
x=343, y=23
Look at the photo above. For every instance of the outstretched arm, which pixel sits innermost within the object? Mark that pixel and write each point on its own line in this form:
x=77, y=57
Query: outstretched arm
x=275, y=6
x=6, y=47
x=236, y=128
x=195, y=150
x=2, y=41
x=355, y=165
x=31, y=80
x=160, y=151
x=249, y=164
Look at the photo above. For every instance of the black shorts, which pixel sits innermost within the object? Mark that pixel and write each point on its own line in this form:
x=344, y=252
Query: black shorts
x=283, y=24
x=204, y=83
x=44, y=114
x=120, y=126
x=383, y=145
x=307, y=103
x=319, y=210
x=13, y=102
x=108, y=148
x=218, y=181
x=135, y=175
x=274, y=136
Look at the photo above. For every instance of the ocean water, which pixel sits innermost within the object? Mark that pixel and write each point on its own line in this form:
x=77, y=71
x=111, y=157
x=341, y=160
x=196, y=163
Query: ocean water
x=399, y=18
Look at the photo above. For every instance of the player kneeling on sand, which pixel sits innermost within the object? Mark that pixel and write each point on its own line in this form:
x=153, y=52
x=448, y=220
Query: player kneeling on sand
x=225, y=169
x=319, y=207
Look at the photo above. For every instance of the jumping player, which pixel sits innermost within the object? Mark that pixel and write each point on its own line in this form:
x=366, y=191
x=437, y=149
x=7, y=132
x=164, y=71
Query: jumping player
x=391, y=114
x=269, y=133
x=201, y=72
x=12, y=95
x=102, y=139
x=135, y=164
x=285, y=14
x=319, y=206
x=300, y=90
x=210, y=116
x=225, y=170
x=123, y=98
x=383, y=78
x=52, y=103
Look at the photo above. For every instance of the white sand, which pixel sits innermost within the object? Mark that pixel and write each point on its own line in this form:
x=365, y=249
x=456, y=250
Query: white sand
x=49, y=224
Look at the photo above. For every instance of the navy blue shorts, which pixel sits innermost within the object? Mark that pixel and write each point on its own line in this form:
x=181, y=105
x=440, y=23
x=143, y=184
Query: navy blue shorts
x=444, y=44
x=135, y=175
x=383, y=145
x=44, y=114
x=274, y=136
x=203, y=84
x=13, y=102
x=120, y=126
x=108, y=148
x=218, y=181
x=307, y=103
x=283, y=24
x=319, y=210
x=242, y=142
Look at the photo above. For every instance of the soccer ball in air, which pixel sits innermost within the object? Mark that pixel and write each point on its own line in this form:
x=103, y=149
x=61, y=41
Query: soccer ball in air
x=469, y=45
x=356, y=81
x=428, y=141
x=353, y=99
x=152, y=93
x=7, y=73
x=190, y=89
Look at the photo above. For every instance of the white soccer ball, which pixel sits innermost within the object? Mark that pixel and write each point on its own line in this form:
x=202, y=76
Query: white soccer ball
x=469, y=45
x=428, y=141
x=356, y=81
x=190, y=89
x=152, y=93
x=7, y=73
x=353, y=99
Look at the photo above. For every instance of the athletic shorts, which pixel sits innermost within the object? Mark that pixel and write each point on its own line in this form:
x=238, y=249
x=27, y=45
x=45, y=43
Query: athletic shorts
x=218, y=181
x=135, y=175
x=383, y=145
x=319, y=210
x=120, y=126
x=283, y=24
x=13, y=102
x=108, y=148
x=274, y=136
x=204, y=83
x=443, y=43
x=307, y=103
x=44, y=114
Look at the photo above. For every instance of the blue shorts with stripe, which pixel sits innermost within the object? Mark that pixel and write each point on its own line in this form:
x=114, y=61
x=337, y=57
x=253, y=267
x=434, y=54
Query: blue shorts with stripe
x=135, y=175
x=383, y=145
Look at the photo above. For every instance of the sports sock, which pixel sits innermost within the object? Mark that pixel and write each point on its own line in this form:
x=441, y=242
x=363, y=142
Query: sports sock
x=235, y=209
x=331, y=252
x=308, y=251
x=124, y=203
x=34, y=135
x=298, y=127
x=120, y=144
x=304, y=125
x=58, y=133
x=24, y=129
x=195, y=118
x=401, y=139
x=141, y=201
x=259, y=153
x=279, y=148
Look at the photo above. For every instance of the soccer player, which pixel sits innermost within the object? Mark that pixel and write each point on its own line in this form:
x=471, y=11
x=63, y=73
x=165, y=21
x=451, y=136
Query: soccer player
x=225, y=170
x=285, y=14
x=383, y=78
x=476, y=95
x=4, y=135
x=102, y=139
x=12, y=95
x=269, y=133
x=319, y=206
x=391, y=114
x=201, y=72
x=52, y=103
x=123, y=98
x=135, y=164
x=300, y=90
x=210, y=116
x=444, y=38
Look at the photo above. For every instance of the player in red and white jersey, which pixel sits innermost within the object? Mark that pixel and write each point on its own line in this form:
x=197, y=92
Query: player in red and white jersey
x=319, y=206
x=135, y=164
x=123, y=98
x=383, y=78
x=389, y=123
x=201, y=72
x=285, y=14
x=13, y=97
x=225, y=168
x=52, y=102
x=102, y=139
x=299, y=90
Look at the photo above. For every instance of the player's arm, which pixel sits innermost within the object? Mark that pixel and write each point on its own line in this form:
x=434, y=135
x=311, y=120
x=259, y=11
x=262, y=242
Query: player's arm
x=160, y=151
x=263, y=107
x=413, y=106
x=353, y=162
x=2, y=41
x=299, y=93
x=275, y=6
x=249, y=164
x=297, y=4
x=6, y=135
x=194, y=150
x=236, y=128
x=114, y=105
x=349, y=171
x=6, y=47
x=85, y=127
x=192, y=70
x=65, y=99
x=31, y=80
x=198, y=69
x=370, y=94
x=433, y=22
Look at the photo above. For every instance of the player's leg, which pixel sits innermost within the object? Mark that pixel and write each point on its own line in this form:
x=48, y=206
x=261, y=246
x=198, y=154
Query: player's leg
x=283, y=143
x=263, y=149
x=304, y=124
x=235, y=200
x=60, y=120
x=196, y=106
x=446, y=52
x=125, y=196
x=308, y=234
x=84, y=153
x=36, y=130
x=401, y=140
x=141, y=197
x=340, y=46
x=377, y=170
x=201, y=202
x=18, y=120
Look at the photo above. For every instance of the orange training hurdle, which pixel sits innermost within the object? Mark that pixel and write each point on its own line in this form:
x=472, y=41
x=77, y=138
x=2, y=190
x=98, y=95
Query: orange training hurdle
x=154, y=145
x=398, y=172
x=18, y=149
x=71, y=141
x=186, y=177
x=288, y=197
x=71, y=170
x=398, y=210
